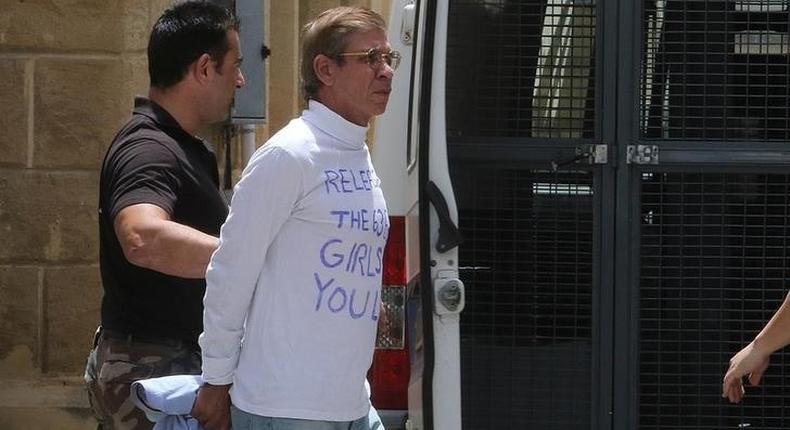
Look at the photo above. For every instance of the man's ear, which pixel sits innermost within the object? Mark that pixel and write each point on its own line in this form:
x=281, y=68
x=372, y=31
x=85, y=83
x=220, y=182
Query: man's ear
x=324, y=68
x=201, y=67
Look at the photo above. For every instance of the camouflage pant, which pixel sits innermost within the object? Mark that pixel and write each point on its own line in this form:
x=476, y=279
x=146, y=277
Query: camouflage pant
x=115, y=363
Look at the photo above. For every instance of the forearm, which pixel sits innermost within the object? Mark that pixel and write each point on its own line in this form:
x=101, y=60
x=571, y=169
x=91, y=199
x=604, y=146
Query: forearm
x=776, y=333
x=151, y=240
x=179, y=250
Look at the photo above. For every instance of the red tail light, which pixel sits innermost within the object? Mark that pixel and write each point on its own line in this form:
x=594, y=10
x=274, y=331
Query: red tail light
x=389, y=379
x=389, y=373
x=395, y=253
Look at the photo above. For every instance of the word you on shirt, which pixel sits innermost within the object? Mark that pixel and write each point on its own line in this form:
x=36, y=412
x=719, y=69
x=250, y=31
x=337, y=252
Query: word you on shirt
x=337, y=299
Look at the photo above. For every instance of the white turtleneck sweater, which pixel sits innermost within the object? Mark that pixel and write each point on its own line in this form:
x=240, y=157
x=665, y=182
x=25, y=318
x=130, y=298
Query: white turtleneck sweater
x=293, y=291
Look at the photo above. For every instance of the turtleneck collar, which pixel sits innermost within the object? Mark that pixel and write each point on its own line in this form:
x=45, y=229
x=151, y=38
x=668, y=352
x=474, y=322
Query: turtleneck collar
x=331, y=123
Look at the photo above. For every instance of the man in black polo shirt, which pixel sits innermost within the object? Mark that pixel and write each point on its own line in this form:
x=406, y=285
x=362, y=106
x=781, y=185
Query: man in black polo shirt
x=160, y=211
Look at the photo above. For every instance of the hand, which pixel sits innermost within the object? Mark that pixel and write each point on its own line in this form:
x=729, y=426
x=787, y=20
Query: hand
x=212, y=407
x=749, y=361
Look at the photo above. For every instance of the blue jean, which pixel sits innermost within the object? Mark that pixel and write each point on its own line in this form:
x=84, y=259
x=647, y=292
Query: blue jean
x=245, y=421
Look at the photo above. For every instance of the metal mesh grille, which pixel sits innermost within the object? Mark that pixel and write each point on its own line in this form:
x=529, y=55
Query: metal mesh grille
x=392, y=320
x=715, y=70
x=715, y=264
x=521, y=68
x=527, y=267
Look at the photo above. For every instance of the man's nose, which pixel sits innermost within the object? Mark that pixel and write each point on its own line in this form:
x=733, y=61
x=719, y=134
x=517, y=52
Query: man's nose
x=386, y=71
x=240, y=81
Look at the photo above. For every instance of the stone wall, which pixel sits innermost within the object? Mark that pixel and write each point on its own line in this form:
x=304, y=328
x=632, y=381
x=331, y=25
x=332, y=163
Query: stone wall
x=70, y=71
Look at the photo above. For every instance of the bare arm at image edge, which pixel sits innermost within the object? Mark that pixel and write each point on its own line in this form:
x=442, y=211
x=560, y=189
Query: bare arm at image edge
x=151, y=240
x=753, y=359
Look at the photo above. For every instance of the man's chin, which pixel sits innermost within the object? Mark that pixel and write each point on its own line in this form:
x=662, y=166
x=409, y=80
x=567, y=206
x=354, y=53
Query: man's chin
x=221, y=118
x=226, y=115
x=381, y=107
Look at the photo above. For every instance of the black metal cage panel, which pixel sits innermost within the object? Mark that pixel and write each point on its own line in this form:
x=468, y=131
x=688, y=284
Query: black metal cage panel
x=526, y=331
x=521, y=68
x=715, y=70
x=713, y=262
x=714, y=267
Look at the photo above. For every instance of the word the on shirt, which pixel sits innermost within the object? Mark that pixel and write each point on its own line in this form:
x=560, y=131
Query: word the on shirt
x=376, y=220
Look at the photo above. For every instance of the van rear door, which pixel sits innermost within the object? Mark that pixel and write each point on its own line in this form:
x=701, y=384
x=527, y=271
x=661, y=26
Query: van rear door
x=495, y=129
x=416, y=181
x=521, y=118
x=442, y=292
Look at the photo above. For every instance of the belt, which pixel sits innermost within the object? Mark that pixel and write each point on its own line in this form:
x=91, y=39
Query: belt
x=141, y=338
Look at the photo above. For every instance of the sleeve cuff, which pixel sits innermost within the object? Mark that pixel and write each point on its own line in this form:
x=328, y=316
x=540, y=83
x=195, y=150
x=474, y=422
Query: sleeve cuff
x=215, y=371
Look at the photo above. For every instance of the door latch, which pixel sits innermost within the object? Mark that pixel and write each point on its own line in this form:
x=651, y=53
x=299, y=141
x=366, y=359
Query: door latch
x=642, y=154
x=592, y=154
x=449, y=295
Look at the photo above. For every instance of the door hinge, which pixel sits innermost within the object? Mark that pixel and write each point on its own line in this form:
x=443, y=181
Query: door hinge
x=407, y=24
x=641, y=154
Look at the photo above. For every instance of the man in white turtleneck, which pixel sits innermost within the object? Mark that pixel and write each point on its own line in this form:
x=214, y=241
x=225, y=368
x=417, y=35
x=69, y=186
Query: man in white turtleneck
x=292, y=298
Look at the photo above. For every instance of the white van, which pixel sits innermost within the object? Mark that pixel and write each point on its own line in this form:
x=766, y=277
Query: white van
x=589, y=207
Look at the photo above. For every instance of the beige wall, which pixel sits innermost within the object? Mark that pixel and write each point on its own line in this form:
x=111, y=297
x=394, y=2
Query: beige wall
x=70, y=70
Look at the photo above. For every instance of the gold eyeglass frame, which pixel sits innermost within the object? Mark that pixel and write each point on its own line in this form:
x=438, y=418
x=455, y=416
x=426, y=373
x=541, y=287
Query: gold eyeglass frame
x=376, y=56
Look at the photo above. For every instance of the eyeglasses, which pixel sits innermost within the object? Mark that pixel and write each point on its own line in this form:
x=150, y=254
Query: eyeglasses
x=375, y=56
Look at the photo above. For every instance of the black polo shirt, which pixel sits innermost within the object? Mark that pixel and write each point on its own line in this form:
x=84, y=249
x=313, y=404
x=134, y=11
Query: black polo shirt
x=153, y=160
